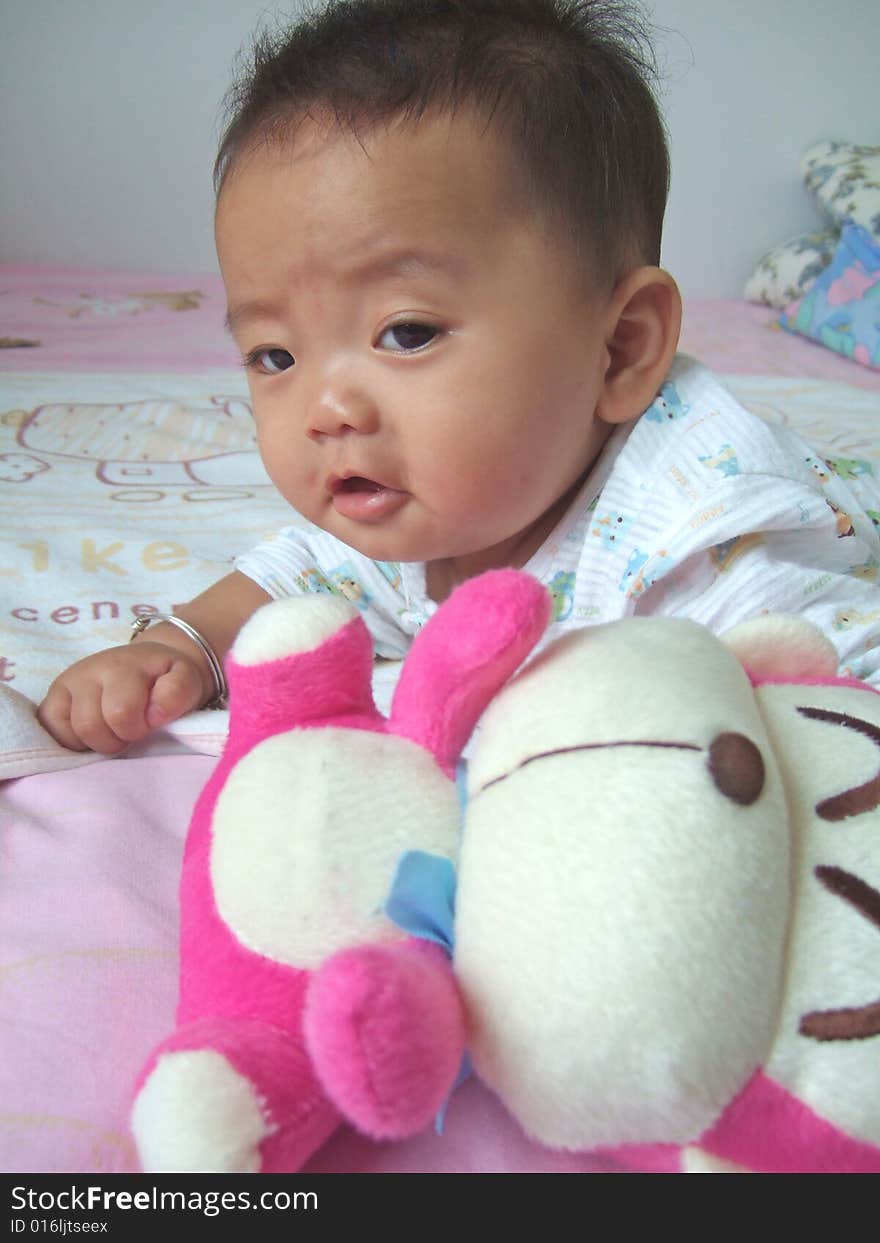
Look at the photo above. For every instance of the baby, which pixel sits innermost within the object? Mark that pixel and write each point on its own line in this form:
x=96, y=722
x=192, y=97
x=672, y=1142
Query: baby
x=438, y=224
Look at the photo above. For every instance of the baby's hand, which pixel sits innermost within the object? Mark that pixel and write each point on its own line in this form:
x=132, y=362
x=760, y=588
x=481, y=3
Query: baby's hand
x=109, y=700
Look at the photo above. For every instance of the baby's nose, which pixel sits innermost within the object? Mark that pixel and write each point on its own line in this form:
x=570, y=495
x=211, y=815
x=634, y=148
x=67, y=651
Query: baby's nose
x=341, y=406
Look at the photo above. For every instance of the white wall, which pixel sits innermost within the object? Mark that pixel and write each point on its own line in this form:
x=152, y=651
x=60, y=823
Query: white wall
x=751, y=84
x=108, y=124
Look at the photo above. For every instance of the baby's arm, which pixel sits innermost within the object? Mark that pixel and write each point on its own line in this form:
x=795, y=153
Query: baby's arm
x=107, y=701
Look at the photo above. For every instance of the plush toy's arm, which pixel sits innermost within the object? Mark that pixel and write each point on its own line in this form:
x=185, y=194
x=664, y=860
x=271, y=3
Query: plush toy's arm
x=482, y=634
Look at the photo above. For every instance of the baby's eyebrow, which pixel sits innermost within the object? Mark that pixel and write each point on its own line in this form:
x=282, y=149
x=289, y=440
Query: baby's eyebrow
x=240, y=312
x=407, y=262
x=383, y=265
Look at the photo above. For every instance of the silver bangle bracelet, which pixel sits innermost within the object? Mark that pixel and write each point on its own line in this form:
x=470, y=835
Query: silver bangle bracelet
x=221, y=690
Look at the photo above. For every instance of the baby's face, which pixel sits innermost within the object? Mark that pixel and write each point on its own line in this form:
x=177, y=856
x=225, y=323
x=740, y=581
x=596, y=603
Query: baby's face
x=423, y=361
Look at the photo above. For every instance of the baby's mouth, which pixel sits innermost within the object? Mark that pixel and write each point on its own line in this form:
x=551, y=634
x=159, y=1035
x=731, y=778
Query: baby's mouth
x=355, y=483
x=364, y=500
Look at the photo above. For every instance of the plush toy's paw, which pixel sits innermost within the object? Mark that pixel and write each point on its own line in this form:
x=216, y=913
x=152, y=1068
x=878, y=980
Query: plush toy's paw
x=196, y=1114
x=385, y=1029
x=226, y=1097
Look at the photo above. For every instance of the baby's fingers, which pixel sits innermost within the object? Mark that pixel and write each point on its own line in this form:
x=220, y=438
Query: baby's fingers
x=54, y=716
x=174, y=693
x=138, y=700
x=107, y=701
x=106, y=726
x=124, y=701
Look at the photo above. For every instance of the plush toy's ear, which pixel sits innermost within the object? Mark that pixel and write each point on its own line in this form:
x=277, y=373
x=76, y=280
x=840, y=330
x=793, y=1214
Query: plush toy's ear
x=782, y=649
x=465, y=654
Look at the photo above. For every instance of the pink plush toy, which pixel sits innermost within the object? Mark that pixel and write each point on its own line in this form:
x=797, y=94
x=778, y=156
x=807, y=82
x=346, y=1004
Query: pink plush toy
x=667, y=928
x=289, y=859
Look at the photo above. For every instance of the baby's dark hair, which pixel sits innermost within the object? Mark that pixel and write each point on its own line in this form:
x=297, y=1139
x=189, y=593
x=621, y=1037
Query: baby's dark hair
x=566, y=83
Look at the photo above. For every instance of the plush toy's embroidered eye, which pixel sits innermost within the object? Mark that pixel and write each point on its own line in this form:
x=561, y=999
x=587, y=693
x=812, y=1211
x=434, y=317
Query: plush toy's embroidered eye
x=736, y=767
x=734, y=762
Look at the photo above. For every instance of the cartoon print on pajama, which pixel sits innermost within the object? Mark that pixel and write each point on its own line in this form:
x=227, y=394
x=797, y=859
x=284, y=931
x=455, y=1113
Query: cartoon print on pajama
x=842, y=520
x=723, y=555
x=819, y=468
x=609, y=527
x=391, y=571
x=561, y=588
x=724, y=460
x=866, y=570
x=849, y=467
x=667, y=405
x=635, y=581
x=312, y=580
x=344, y=582
x=845, y=619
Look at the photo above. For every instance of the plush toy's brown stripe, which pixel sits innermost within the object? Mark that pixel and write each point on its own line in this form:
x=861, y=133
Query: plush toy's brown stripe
x=859, y=799
x=852, y=889
x=857, y=1022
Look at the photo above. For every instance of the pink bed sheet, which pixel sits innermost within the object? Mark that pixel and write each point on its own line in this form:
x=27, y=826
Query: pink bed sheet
x=59, y=319
x=88, y=928
x=73, y=320
x=742, y=338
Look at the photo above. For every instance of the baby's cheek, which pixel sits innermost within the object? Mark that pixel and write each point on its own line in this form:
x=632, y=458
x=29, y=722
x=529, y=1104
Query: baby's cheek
x=286, y=463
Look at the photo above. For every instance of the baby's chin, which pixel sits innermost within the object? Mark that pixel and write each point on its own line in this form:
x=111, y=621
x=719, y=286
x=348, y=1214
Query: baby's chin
x=380, y=545
x=386, y=540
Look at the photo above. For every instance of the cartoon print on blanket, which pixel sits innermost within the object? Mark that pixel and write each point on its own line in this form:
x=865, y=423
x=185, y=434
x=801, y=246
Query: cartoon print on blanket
x=151, y=443
x=667, y=914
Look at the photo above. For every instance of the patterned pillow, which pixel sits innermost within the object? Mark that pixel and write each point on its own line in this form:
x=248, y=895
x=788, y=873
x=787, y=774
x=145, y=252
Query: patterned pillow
x=842, y=307
x=787, y=271
x=845, y=180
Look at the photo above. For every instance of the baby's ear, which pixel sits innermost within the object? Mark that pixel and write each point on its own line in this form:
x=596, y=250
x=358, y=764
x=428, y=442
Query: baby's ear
x=643, y=326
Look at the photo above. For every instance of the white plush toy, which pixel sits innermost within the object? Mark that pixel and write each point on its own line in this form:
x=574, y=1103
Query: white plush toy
x=667, y=931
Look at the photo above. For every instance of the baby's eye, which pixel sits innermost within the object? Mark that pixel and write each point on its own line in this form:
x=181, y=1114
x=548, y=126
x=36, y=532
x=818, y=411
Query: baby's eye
x=270, y=362
x=406, y=338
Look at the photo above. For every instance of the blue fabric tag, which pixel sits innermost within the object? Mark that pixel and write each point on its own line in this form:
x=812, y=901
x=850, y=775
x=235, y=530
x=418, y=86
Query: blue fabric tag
x=422, y=904
x=422, y=898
